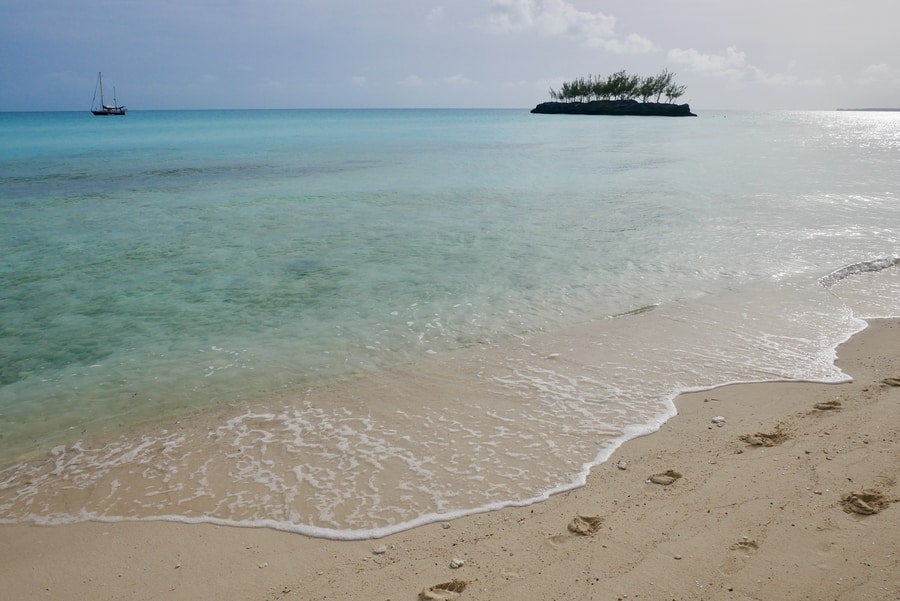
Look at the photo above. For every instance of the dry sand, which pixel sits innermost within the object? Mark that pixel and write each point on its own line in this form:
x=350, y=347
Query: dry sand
x=791, y=498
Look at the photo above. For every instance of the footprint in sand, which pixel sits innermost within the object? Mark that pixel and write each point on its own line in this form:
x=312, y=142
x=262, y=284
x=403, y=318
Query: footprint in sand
x=745, y=544
x=866, y=502
x=665, y=478
x=766, y=439
x=585, y=525
x=828, y=406
x=742, y=550
x=581, y=525
x=891, y=381
x=444, y=591
x=559, y=539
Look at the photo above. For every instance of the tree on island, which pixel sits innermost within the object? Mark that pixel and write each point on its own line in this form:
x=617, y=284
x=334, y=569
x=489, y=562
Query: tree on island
x=620, y=86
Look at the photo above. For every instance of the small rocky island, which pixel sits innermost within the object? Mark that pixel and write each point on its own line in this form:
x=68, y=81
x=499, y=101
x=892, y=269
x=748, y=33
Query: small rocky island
x=618, y=94
x=615, y=107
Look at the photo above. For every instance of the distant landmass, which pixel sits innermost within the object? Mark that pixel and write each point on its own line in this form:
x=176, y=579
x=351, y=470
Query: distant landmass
x=615, y=107
x=883, y=110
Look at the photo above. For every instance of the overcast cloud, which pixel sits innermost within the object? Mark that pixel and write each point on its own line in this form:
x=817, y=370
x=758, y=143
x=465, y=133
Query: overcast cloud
x=170, y=54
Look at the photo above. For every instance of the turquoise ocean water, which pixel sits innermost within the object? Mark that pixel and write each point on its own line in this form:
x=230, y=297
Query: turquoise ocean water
x=349, y=322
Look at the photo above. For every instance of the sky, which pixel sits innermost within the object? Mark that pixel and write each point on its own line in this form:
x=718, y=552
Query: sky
x=235, y=54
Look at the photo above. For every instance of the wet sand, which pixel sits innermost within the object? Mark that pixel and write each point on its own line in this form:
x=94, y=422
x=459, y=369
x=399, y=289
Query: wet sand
x=792, y=496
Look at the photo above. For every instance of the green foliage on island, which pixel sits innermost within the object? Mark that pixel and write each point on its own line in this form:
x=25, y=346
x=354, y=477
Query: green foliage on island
x=620, y=86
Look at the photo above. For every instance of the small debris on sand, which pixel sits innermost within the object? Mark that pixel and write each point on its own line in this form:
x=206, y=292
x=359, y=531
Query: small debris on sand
x=444, y=591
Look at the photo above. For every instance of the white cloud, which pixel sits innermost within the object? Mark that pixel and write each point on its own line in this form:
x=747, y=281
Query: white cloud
x=412, y=81
x=631, y=44
x=558, y=18
x=460, y=80
x=510, y=16
x=435, y=15
x=358, y=80
x=880, y=73
x=733, y=65
x=782, y=79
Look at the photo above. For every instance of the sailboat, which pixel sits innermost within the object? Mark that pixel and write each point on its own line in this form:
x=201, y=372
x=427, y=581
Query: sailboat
x=105, y=109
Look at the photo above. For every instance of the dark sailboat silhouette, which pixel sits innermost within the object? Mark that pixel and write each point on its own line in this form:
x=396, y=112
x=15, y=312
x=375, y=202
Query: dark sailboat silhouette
x=105, y=109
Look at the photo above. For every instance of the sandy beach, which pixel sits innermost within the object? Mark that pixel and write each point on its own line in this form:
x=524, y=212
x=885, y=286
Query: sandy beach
x=757, y=491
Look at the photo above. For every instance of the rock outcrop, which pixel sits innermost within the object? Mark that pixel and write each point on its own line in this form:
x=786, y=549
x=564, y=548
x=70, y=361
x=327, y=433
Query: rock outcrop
x=615, y=107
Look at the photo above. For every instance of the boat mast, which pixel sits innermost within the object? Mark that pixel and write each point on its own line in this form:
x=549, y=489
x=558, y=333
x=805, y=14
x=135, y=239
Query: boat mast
x=100, y=80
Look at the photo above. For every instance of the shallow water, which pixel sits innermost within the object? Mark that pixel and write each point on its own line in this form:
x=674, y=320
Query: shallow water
x=345, y=323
